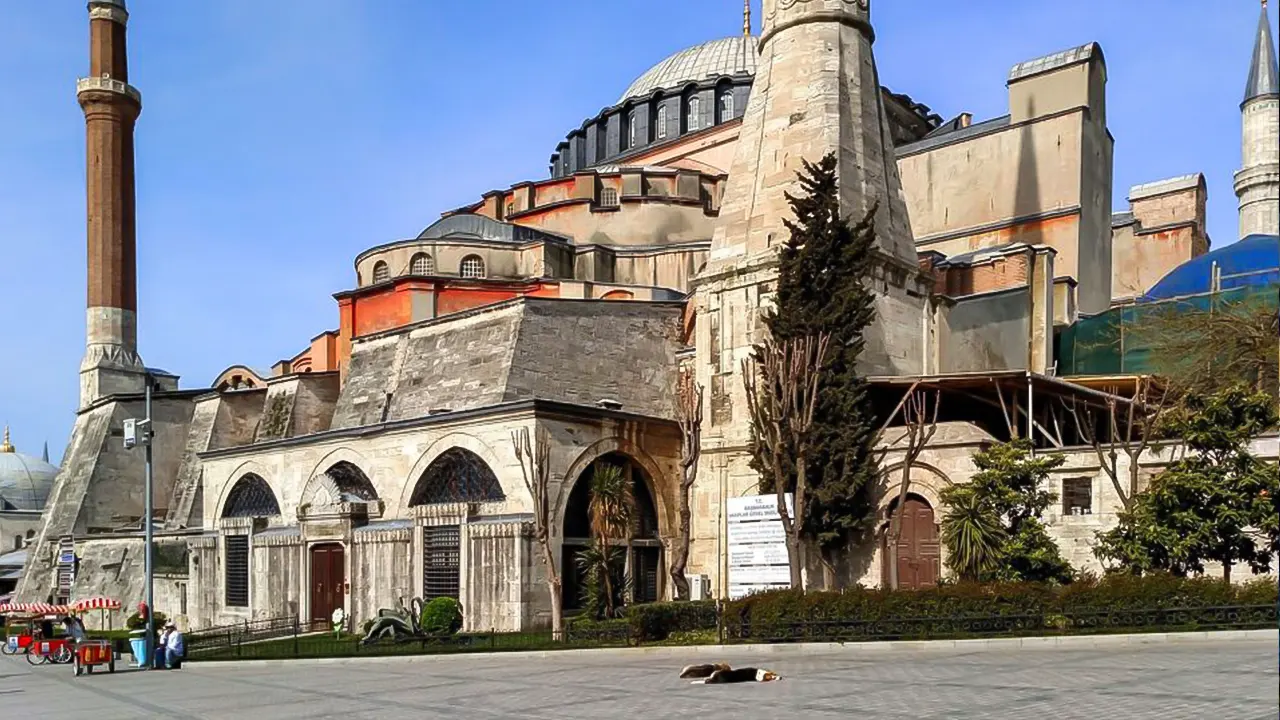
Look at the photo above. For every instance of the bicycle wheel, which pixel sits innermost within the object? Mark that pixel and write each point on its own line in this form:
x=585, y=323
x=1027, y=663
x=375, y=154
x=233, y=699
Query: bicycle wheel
x=62, y=655
x=36, y=658
x=8, y=649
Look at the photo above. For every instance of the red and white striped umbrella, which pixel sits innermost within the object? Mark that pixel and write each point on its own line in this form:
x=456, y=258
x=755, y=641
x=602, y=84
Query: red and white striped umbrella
x=95, y=603
x=44, y=609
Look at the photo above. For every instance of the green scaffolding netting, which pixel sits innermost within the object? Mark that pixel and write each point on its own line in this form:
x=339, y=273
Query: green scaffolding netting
x=1121, y=341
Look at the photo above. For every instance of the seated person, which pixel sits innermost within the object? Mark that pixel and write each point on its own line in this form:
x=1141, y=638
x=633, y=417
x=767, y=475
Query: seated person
x=175, y=647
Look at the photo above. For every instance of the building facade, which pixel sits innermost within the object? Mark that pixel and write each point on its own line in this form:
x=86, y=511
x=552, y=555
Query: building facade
x=378, y=464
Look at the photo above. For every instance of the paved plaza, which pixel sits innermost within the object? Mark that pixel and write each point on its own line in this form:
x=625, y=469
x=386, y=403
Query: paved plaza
x=1216, y=679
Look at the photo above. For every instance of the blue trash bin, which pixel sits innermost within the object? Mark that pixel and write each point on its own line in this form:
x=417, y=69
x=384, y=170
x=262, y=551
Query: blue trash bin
x=139, y=647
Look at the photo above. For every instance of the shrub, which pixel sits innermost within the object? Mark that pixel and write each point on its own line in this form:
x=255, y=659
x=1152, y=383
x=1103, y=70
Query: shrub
x=137, y=622
x=774, y=614
x=441, y=616
x=656, y=621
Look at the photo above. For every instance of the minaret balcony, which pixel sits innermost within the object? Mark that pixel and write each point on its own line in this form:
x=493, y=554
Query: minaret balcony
x=108, y=84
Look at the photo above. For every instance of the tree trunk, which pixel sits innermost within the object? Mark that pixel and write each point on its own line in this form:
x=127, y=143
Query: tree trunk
x=680, y=554
x=793, y=554
x=553, y=584
x=1226, y=572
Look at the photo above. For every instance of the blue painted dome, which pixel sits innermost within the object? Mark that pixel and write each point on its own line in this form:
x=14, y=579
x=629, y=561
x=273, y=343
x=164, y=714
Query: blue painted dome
x=1252, y=262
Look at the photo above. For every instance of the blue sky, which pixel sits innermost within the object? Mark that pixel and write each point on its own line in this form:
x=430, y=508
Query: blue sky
x=280, y=138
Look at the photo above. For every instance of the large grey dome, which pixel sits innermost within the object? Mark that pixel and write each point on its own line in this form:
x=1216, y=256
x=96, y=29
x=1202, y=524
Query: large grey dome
x=727, y=56
x=25, y=481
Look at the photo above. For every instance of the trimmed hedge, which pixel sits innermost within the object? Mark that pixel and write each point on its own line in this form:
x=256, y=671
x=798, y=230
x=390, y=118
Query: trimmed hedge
x=768, y=613
x=654, y=622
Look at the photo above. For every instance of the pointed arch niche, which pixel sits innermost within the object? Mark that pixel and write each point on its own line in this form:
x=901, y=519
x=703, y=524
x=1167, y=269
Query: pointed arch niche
x=457, y=475
x=643, y=564
x=250, y=497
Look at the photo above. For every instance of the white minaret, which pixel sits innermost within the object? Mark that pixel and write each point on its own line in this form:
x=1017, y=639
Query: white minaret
x=1258, y=181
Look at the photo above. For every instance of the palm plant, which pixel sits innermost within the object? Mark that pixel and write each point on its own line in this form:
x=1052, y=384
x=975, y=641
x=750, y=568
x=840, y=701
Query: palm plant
x=973, y=535
x=602, y=587
x=612, y=510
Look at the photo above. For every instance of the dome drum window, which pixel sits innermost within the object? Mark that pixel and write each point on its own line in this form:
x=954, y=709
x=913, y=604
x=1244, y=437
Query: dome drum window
x=381, y=272
x=422, y=264
x=472, y=267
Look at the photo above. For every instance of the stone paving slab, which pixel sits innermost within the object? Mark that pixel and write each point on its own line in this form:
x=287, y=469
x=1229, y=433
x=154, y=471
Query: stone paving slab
x=1217, y=677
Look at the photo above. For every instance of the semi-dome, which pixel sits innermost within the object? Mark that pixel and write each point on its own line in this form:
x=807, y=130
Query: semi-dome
x=25, y=481
x=727, y=56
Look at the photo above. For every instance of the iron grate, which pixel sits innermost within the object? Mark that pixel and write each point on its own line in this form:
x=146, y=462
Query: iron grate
x=237, y=570
x=441, y=561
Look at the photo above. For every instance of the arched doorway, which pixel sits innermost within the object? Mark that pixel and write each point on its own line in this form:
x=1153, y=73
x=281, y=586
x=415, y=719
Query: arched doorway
x=918, y=554
x=642, y=565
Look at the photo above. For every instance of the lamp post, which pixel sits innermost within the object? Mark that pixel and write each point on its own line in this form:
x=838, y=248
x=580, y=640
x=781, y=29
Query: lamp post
x=139, y=431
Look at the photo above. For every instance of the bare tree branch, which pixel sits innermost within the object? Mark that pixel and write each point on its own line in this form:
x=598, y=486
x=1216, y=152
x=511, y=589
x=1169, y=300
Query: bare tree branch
x=689, y=415
x=782, y=387
x=535, y=467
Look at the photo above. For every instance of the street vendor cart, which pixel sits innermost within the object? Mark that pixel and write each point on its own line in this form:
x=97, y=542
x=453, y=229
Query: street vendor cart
x=91, y=652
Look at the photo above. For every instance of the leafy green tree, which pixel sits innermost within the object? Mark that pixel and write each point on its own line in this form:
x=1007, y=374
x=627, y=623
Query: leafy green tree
x=1218, y=503
x=1002, y=507
x=823, y=266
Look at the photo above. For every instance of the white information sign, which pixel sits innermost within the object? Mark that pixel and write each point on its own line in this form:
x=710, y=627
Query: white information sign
x=757, y=545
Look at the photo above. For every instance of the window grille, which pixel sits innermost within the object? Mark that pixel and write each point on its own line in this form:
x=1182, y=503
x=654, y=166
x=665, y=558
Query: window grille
x=1077, y=496
x=631, y=129
x=381, y=273
x=695, y=109
x=457, y=476
x=251, y=496
x=662, y=122
x=236, y=581
x=472, y=267
x=422, y=264
x=441, y=561
x=609, y=197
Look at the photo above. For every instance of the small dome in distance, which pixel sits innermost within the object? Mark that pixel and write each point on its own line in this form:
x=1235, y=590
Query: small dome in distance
x=25, y=481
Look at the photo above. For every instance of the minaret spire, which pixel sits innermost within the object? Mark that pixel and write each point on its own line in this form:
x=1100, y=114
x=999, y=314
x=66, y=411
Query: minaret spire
x=6, y=446
x=111, y=106
x=1257, y=184
x=746, y=17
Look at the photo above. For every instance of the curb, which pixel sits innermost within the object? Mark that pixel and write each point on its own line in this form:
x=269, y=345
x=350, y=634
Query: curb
x=979, y=645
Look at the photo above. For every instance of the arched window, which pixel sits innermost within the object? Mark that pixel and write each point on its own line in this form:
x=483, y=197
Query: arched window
x=472, y=267
x=31, y=534
x=661, y=122
x=381, y=273
x=457, y=476
x=17, y=542
x=251, y=496
x=350, y=484
x=422, y=264
x=631, y=129
x=695, y=113
x=726, y=105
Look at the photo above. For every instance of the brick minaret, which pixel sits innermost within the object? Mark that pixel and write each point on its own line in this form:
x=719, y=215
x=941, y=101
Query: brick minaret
x=111, y=105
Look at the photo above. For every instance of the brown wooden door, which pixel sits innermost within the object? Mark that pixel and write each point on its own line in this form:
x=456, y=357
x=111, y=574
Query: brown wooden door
x=919, y=553
x=328, y=576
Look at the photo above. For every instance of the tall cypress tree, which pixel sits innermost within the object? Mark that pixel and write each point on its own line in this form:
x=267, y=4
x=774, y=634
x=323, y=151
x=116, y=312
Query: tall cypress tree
x=821, y=277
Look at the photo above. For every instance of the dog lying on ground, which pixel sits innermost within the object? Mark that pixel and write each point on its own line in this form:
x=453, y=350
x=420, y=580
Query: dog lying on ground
x=720, y=673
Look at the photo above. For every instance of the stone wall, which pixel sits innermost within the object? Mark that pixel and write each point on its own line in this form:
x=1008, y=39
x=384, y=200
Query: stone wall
x=381, y=570
x=100, y=484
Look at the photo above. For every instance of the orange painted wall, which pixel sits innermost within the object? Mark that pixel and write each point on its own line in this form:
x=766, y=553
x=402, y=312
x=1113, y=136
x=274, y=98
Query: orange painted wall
x=390, y=306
